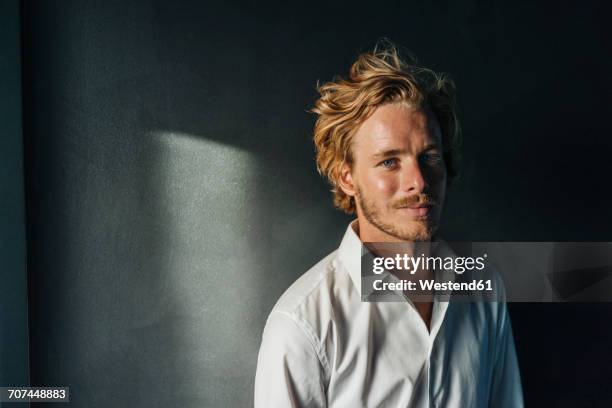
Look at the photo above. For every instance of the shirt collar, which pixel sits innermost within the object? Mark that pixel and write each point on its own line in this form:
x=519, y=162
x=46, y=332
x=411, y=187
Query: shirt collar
x=351, y=250
x=349, y=253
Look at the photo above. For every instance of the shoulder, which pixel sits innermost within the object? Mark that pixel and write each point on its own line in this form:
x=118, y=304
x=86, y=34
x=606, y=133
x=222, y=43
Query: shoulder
x=298, y=323
x=314, y=302
x=490, y=303
x=314, y=288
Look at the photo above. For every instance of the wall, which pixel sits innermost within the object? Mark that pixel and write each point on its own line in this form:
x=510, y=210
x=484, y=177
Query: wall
x=172, y=194
x=13, y=286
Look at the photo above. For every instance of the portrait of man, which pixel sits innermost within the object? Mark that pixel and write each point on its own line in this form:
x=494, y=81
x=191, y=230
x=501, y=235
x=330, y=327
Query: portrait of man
x=202, y=202
x=387, y=139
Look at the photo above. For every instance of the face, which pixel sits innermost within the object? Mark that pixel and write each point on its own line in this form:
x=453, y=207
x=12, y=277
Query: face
x=398, y=176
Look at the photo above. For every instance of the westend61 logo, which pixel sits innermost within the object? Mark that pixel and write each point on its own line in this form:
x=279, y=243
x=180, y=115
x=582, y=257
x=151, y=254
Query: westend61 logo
x=412, y=264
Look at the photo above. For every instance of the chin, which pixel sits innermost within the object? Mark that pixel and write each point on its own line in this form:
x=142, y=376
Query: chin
x=419, y=231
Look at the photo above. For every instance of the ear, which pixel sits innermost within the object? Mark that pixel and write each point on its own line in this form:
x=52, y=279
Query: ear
x=346, y=182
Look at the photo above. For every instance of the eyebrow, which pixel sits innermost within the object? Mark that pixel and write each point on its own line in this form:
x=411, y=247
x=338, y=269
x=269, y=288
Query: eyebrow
x=395, y=152
x=387, y=153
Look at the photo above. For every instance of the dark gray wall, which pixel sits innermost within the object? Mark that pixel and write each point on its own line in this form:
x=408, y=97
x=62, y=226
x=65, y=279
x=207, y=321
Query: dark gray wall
x=13, y=299
x=172, y=194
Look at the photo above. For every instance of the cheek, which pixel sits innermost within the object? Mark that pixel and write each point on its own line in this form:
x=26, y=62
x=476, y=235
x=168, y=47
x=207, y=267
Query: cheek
x=382, y=184
x=442, y=181
x=436, y=178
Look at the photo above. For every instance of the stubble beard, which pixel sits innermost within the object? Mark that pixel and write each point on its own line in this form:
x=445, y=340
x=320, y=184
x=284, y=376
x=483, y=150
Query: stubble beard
x=421, y=230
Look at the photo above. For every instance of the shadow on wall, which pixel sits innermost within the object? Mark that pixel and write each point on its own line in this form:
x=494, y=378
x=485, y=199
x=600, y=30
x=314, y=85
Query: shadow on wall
x=13, y=287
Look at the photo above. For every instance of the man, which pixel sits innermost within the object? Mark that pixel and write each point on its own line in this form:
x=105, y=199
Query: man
x=386, y=139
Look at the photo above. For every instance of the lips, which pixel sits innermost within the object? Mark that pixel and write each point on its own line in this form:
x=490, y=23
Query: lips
x=417, y=206
x=420, y=210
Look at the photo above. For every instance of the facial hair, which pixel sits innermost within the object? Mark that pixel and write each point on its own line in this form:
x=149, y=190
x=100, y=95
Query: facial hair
x=421, y=230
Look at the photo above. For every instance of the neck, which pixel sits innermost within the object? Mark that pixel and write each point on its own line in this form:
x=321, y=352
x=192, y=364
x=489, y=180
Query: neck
x=383, y=245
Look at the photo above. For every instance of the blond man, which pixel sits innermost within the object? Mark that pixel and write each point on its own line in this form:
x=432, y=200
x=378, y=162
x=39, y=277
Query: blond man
x=386, y=137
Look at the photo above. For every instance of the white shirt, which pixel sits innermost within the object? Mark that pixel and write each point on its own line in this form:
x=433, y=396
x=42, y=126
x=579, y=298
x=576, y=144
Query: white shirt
x=323, y=347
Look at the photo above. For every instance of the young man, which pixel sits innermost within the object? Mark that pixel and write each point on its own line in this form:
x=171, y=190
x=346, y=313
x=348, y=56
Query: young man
x=386, y=139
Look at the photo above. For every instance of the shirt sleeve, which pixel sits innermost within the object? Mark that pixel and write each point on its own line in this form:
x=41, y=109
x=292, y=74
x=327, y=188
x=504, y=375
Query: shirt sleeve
x=289, y=371
x=506, y=389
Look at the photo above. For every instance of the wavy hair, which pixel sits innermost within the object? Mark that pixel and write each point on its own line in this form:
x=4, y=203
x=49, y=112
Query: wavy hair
x=376, y=78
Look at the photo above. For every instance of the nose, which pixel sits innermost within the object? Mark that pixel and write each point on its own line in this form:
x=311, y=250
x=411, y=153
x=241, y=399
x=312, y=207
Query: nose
x=413, y=178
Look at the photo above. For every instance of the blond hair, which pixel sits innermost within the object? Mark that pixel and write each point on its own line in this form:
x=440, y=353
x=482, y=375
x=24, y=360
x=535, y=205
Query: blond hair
x=379, y=77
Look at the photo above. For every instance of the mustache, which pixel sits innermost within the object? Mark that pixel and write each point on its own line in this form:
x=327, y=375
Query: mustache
x=417, y=199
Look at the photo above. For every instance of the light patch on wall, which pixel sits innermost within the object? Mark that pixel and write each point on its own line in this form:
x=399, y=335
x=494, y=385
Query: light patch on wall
x=208, y=209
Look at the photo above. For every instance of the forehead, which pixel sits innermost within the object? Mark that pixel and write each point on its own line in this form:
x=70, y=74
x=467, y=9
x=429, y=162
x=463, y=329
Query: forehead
x=397, y=126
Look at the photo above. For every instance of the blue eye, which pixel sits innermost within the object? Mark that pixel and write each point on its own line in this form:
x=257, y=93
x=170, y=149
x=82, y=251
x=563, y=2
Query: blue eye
x=388, y=163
